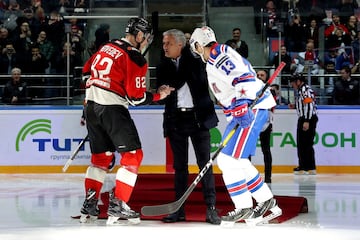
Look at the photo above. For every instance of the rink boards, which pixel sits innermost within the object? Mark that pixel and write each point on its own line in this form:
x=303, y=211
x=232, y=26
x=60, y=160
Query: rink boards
x=41, y=139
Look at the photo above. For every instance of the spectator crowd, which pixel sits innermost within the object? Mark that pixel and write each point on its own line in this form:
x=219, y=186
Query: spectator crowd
x=318, y=37
x=33, y=38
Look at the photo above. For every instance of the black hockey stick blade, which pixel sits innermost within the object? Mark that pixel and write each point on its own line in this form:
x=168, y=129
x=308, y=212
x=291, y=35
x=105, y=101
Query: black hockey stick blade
x=167, y=208
x=172, y=207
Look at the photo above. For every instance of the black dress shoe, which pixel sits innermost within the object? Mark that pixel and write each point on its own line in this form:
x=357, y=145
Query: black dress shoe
x=212, y=216
x=174, y=217
x=297, y=169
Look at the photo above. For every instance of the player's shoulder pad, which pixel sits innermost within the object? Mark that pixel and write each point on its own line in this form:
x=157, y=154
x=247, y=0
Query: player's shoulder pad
x=132, y=52
x=218, y=49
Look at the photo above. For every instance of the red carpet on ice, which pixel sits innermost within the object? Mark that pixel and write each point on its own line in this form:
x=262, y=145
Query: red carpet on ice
x=154, y=189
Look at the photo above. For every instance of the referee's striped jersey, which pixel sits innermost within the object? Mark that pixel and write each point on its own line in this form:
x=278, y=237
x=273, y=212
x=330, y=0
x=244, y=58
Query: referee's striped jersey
x=305, y=102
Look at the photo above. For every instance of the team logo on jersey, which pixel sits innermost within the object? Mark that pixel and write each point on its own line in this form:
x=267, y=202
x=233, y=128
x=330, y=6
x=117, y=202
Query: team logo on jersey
x=242, y=92
x=214, y=52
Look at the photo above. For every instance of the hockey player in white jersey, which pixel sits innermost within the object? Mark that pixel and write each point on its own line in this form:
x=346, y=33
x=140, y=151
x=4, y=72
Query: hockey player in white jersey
x=233, y=82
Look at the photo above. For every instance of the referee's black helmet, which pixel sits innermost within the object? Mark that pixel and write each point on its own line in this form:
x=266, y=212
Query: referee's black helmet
x=297, y=76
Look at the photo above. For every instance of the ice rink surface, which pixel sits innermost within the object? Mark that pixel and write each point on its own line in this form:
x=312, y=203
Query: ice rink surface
x=40, y=206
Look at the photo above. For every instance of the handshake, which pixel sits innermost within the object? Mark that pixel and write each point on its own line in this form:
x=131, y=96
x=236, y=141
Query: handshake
x=164, y=91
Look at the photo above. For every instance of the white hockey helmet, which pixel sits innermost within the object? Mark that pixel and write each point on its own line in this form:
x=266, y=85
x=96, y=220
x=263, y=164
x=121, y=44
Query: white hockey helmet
x=203, y=36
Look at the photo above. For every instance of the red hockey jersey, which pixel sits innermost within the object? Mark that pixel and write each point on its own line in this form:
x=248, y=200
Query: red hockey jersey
x=117, y=76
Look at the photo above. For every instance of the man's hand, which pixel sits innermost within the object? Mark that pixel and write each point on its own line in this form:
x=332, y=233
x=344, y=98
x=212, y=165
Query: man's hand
x=14, y=99
x=165, y=90
x=82, y=121
x=305, y=126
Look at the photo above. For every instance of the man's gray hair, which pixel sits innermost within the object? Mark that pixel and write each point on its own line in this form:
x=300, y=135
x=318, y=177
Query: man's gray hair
x=16, y=70
x=178, y=35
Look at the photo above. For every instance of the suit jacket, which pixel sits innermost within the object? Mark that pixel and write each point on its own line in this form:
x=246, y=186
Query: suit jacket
x=192, y=71
x=314, y=36
x=243, y=50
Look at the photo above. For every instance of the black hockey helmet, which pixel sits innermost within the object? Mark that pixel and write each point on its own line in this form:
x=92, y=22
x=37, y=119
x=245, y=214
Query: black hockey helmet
x=137, y=24
x=297, y=76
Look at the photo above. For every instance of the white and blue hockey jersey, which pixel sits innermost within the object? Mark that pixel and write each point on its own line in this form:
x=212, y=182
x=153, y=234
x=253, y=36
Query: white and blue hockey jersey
x=232, y=78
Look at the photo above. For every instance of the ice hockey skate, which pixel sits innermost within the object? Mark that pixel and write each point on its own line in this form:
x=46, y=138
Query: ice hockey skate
x=234, y=216
x=265, y=212
x=119, y=210
x=90, y=210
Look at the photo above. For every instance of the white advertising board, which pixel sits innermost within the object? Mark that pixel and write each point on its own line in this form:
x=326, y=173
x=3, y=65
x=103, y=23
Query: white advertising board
x=47, y=136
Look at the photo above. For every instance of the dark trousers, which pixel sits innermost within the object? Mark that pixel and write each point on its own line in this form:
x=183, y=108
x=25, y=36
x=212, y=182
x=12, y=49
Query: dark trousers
x=305, y=143
x=265, y=148
x=186, y=128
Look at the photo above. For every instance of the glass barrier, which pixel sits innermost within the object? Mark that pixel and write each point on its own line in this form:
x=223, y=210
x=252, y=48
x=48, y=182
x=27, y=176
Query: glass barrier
x=61, y=82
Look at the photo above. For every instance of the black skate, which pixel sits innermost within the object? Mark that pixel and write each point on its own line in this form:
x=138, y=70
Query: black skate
x=119, y=210
x=234, y=216
x=90, y=207
x=265, y=212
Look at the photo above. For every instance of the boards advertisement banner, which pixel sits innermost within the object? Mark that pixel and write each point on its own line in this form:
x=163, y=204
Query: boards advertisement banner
x=48, y=136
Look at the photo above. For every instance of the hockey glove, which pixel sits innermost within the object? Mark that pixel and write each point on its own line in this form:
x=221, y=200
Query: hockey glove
x=243, y=115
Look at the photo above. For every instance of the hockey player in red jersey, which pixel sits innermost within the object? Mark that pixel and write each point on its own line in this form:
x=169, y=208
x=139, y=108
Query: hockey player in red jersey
x=117, y=79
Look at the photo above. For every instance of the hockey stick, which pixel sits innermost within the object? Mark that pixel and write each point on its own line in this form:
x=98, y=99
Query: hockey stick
x=72, y=157
x=267, y=84
x=172, y=207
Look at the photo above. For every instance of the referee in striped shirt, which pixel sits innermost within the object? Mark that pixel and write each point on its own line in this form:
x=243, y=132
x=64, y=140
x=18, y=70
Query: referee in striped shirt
x=306, y=126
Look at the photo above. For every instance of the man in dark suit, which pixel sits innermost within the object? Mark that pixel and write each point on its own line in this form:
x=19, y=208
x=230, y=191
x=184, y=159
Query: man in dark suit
x=189, y=113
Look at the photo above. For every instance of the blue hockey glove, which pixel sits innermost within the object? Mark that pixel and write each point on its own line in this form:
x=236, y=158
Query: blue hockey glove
x=243, y=115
